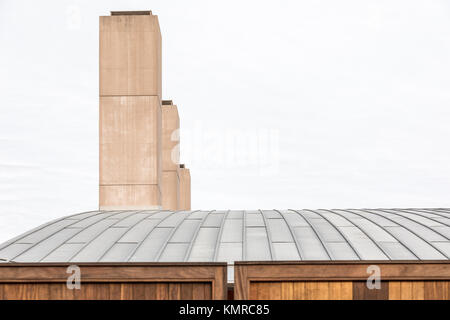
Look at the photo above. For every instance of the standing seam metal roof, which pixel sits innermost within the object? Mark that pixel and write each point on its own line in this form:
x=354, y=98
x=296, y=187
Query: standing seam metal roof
x=251, y=235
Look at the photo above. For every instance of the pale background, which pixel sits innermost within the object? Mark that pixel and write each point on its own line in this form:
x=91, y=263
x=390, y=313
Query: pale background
x=283, y=104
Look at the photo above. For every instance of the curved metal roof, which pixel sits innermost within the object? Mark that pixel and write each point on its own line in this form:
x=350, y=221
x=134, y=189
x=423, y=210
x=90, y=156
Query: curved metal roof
x=228, y=236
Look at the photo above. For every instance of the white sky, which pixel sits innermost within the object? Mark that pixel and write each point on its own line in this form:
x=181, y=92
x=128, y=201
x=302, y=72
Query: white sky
x=347, y=103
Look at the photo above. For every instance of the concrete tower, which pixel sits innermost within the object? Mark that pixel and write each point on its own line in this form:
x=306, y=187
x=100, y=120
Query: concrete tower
x=130, y=111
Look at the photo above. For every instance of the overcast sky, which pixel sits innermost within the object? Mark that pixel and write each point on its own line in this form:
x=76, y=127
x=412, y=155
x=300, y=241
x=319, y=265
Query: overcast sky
x=283, y=104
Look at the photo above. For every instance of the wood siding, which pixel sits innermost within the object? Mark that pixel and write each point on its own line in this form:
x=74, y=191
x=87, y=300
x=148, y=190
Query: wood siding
x=107, y=291
x=341, y=280
x=362, y=292
x=138, y=281
x=301, y=290
x=419, y=290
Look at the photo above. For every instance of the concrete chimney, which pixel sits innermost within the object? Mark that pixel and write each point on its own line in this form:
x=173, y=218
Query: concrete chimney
x=170, y=156
x=185, y=188
x=130, y=111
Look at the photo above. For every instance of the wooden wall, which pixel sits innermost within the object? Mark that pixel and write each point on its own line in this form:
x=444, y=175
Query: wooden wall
x=108, y=291
x=122, y=281
x=427, y=280
x=349, y=290
x=301, y=290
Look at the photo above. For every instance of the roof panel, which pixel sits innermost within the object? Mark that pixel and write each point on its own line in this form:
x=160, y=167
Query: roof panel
x=122, y=214
x=148, y=250
x=254, y=220
x=294, y=219
x=363, y=245
x=271, y=214
x=119, y=252
x=174, y=252
x=139, y=231
x=173, y=220
x=186, y=230
x=234, y=214
x=45, y=232
x=83, y=215
x=341, y=251
x=63, y=253
x=95, y=249
x=203, y=249
x=380, y=220
x=335, y=219
x=92, y=231
x=279, y=231
x=257, y=245
x=214, y=220
x=310, y=245
x=44, y=247
x=374, y=231
x=13, y=250
x=443, y=246
x=285, y=251
x=397, y=251
x=131, y=220
x=198, y=215
x=326, y=230
x=230, y=252
x=421, y=248
x=232, y=231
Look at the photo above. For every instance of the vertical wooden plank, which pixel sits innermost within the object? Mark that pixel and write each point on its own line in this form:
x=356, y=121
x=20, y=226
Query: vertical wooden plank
x=138, y=291
x=436, y=290
x=126, y=291
x=174, y=291
x=446, y=294
x=162, y=291
x=417, y=290
x=311, y=290
x=55, y=291
x=394, y=290
x=347, y=290
x=362, y=292
x=275, y=290
x=208, y=292
x=253, y=294
x=323, y=290
x=335, y=290
x=299, y=291
x=405, y=290
x=198, y=292
x=115, y=291
x=241, y=283
x=187, y=291
x=150, y=291
x=264, y=291
x=287, y=290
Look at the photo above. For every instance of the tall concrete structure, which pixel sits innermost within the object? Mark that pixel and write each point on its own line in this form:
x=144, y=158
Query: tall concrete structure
x=185, y=188
x=170, y=156
x=130, y=111
x=139, y=132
